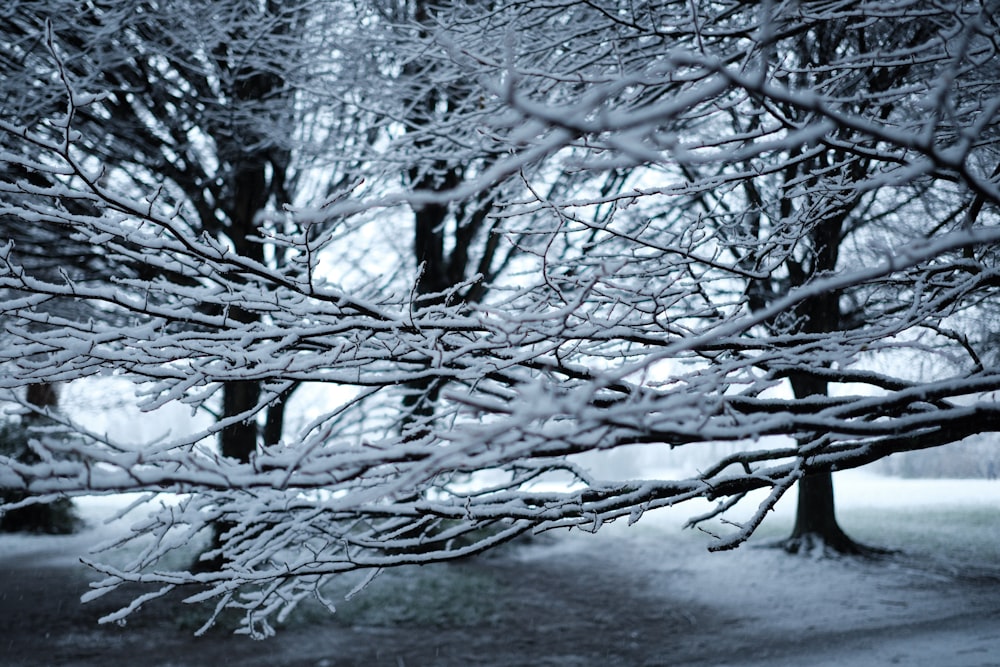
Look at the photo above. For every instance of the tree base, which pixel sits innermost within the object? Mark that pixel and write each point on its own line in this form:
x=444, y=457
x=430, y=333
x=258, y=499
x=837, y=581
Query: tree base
x=819, y=546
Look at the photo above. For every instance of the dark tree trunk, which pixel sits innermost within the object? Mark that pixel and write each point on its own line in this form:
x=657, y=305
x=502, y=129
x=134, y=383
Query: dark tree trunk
x=816, y=524
x=257, y=169
x=239, y=440
x=43, y=396
x=274, y=422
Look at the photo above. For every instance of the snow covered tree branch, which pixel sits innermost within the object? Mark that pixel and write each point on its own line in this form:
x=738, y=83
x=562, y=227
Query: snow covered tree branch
x=671, y=225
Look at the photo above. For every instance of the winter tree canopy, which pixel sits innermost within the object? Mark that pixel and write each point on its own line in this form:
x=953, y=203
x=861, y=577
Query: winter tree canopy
x=500, y=236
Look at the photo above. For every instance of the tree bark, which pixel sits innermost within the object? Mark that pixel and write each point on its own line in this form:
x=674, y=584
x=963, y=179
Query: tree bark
x=816, y=526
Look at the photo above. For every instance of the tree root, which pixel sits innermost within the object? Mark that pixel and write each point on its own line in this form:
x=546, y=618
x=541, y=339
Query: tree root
x=818, y=546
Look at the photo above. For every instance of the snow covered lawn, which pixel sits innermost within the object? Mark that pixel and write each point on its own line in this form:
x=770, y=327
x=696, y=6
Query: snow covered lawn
x=643, y=595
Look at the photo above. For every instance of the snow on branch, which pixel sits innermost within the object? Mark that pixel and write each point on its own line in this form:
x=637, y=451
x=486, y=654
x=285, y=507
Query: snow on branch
x=656, y=229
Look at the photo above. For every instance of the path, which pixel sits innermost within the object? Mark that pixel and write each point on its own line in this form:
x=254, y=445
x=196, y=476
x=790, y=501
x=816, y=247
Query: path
x=601, y=601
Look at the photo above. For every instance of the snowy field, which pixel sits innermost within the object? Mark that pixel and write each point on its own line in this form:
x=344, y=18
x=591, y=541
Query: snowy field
x=643, y=595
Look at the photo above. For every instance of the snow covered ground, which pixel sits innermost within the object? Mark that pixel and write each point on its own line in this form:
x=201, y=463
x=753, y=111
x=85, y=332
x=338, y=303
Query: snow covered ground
x=648, y=594
x=935, y=603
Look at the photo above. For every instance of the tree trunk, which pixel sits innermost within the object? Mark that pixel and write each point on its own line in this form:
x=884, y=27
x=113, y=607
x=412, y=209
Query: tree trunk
x=257, y=172
x=816, y=526
x=239, y=440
